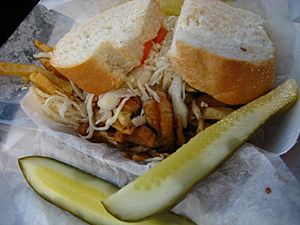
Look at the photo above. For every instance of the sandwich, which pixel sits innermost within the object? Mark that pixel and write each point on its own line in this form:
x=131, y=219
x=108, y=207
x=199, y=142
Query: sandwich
x=223, y=51
x=146, y=83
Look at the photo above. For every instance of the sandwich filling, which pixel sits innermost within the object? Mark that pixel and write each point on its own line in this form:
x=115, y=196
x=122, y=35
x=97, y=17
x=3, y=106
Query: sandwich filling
x=153, y=114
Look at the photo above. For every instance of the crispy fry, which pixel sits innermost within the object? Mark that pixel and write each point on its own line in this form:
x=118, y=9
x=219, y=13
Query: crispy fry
x=115, y=139
x=82, y=129
x=46, y=64
x=42, y=46
x=142, y=156
x=123, y=123
x=132, y=105
x=154, y=153
x=7, y=68
x=180, y=140
x=166, y=120
x=143, y=136
x=129, y=129
x=139, y=157
x=152, y=114
x=209, y=100
x=119, y=137
x=25, y=79
x=201, y=125
x=124, y=118
x=216, y=113
x=138, y=149
x=64, y=85
x=44, y=84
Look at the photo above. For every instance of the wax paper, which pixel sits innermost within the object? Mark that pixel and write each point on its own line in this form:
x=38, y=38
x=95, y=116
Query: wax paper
x=234, y=194
x=237, y=193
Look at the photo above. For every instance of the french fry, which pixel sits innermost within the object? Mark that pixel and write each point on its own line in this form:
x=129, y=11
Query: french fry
x=44, y=84
x=112, y=138
x=45, y=61
x=200, y=125
x=152, y=114
x=180, y=139
x=143, y=136
x=216, y=113
x=46, y=64
x=124, y=118
x=132, y=105
x=7, y=68
x=64, y=85
x=209, y=100
x=25, y=79
x=166, y=120
x=128, y=130
x=42, y=46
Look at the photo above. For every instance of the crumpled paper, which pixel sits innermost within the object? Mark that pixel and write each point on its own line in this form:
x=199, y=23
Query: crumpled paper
x=252, y=187
x=235, y=194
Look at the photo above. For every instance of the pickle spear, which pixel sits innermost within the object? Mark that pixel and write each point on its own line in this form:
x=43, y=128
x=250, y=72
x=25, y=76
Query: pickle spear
x=171, y=7
x=165, y=184
x=78, y=192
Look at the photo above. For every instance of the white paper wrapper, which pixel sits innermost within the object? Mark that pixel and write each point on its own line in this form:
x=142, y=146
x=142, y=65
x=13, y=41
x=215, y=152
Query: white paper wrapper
x=80, y=10
x=235, y=194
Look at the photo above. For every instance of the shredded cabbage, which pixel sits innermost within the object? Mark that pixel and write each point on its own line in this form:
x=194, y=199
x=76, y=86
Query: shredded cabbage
x=46, y=55
x=64, y=110
x=111, y=99
x=180, y=108
x=89, y=106
x=113, y=119
x=102, y=116
x=196, y=110
x=108, y=117
x=41, y=93
x=203, y=104
x=144, y=94
x=157, y=75
x=152, y=93
x=154, y=159
x=138, y=121
x=77, y=91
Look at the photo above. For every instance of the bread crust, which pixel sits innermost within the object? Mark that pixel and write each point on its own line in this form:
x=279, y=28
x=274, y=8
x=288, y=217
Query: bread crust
x=109, y=62
x=93, y=75
x=228, y=80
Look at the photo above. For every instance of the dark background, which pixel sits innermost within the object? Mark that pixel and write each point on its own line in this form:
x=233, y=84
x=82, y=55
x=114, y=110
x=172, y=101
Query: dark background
x=12, y=14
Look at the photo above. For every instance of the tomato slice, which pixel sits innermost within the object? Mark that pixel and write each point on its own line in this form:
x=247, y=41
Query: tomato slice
x=160, y=36
x=147, y=48
x=148, y=45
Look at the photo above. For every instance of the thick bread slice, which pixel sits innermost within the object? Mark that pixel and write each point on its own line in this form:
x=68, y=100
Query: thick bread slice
x=223, y=51
x=97, y=55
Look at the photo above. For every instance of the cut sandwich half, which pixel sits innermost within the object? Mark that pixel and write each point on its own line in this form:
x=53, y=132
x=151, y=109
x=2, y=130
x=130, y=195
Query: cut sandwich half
x=223, y=51
x=97, y=55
